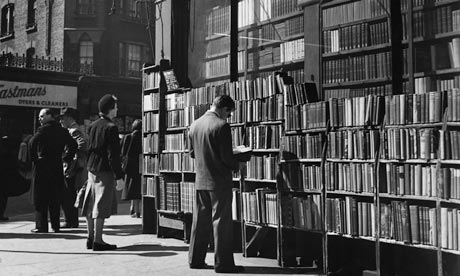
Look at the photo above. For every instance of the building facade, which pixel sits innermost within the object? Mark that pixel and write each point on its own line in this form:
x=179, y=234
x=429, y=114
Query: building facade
x=105, y=38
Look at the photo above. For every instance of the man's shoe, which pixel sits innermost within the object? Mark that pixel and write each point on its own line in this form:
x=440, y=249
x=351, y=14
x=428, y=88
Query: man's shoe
x=103, y=246
x=89, y=244
x=232, y=269
x=69, y=225
x=38, y=230
x=4, y=218
x=199, y=266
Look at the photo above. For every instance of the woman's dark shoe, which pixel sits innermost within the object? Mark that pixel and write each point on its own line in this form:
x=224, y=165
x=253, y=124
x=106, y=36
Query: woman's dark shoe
x=103, y=246
x=4, y=218
x=89, y=243
x=232, y=269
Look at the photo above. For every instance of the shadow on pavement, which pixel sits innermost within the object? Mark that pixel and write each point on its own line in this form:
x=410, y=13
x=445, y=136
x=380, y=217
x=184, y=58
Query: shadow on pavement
x=152, y=247
x=112, y=253
x=279, y=270
x=60, y=235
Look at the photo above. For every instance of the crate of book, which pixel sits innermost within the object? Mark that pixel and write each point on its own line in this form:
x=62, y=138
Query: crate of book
x=174, y=224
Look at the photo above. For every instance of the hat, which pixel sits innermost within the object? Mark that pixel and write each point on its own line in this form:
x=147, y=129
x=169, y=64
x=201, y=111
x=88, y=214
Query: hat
x=70, y=112
x=106, y=103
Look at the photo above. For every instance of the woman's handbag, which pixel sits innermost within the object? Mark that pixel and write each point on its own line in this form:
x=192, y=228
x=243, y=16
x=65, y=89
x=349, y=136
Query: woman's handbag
x=80, y=196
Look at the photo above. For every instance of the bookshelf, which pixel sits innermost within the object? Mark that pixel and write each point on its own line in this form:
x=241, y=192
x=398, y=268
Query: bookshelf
x=270, y=37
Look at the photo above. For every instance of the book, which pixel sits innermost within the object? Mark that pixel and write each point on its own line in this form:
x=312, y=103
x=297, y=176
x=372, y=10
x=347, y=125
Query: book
x=241, y=150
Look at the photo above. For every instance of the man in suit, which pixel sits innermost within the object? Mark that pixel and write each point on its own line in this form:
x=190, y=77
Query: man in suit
x=47, y=153
x=75, y=172
x=211, y=146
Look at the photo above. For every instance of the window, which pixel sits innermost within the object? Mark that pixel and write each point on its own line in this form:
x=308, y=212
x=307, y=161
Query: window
x=7, y=24
x=31, y=11
x=86, y=53
x=129, y=9
x=131, y=58
x=30, y=57
x=86, y=7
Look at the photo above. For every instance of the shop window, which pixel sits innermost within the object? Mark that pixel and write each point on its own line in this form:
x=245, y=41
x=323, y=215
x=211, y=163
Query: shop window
x=31, y=13
x=7, y=23
x=131, y=58
x=86, y=7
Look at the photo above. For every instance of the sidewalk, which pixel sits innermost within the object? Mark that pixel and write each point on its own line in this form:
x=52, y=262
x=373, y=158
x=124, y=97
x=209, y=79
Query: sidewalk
x=65, y=253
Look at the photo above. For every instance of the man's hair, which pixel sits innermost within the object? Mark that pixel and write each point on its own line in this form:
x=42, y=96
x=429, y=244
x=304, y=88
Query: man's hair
x=137, y=125
x=224, y=101
x=49, y=111
x=106, y=103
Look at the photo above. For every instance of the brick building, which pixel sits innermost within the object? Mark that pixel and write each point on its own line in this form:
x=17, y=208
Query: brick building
x=96, y=47
x=110, y=37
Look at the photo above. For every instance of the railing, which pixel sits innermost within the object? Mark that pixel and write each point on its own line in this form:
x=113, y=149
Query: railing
x=45, y=64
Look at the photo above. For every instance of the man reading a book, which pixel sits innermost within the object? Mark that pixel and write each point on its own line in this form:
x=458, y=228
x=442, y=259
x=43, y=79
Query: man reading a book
x=211, y=146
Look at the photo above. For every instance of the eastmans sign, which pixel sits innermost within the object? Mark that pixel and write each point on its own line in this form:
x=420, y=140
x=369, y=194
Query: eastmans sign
x=37, y=95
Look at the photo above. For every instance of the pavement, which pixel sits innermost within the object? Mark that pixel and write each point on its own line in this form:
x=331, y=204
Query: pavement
x=65, y=253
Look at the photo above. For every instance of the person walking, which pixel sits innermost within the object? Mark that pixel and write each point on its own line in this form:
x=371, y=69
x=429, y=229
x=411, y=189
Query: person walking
x=211, y=146
x=104, y=172
x=47, y=155
x=5, y=166
x=131, y=149
x=75, y=171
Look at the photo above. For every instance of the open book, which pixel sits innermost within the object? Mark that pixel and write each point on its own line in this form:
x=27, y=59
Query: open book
x=241, y=149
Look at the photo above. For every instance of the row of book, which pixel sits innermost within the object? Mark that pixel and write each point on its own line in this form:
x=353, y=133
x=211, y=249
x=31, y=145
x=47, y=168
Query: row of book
x=450, y=232
x=269, y=9
x=148, y=185
x=171, y=162
x=306, y=116
x=262, y=168
x=351, y=217
x=415, y=108
x=238, y=136
x=187, y=196
x=453, y=104
x=263, y=136
x=350, y=177
x=300, y=177
x=449, y=143
x=176, y=118
x=431, y=22
x=259, y=110
x=446, y=84
x=353, y=144
x=217, y=67
x=420, y=3
x=262, y=57
x=374, y=89
x=298, y=93
x=151, y=101
x=151, y=80
x=259, y=206
x=354, y=11
x=150, y=143
x=355, y=36
x=269, y=33
x=410, y=143
x=357, y=68
x=150, y=122
x=450, y=187
x=359, y=111
x=307, y=212
x=408, y=223
x=174, y=101
x=218, y=46
x=292, y=50
x=306, y=146
x=150, y=165
x=176, y=141
x=410, y=179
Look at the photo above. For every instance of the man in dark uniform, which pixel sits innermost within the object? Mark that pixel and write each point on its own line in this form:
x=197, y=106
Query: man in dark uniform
x=47, y=154
x=211, y=146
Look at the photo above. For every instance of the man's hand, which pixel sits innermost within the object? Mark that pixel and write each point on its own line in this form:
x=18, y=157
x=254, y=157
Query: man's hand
x=244, y=157
x=120, y=184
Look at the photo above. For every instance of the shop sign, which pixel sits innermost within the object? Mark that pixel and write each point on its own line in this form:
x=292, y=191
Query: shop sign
x=37, y=95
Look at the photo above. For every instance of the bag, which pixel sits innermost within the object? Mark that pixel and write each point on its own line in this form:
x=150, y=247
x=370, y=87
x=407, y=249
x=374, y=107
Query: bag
x=80, y=196
x=126, y=147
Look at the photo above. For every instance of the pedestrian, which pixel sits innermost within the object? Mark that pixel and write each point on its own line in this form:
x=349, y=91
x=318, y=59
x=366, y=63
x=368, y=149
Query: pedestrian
x=47, y=154
x=131, y=149
x=5, y=165
x=211, y=146
x=75, y=172
x=104, y=172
